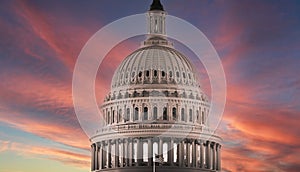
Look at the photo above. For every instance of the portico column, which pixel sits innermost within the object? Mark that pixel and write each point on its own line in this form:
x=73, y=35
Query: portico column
x=150, y=152
x=172, y=152
x=96, y=157
x=219, y=157
x=139, y=152
x=109, y=154
x=130, y=157
x=123, y=154
x=160, y=148
x=117, y=153
x=181, y=153
x=201, y=154
x=92, y=157
x=207, y=156
x=126, y=152
x=100, y=161
x=188, y=156
x=214, y=156
x=194, y=158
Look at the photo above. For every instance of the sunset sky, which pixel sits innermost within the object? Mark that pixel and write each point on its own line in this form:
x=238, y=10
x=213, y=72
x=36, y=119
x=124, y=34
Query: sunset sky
x=258, y=43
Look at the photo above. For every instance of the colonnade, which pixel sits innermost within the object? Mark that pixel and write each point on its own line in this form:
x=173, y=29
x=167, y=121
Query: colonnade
x=189, y=153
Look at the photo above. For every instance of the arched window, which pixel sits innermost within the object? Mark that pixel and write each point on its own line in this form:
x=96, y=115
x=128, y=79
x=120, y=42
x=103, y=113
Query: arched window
x=203, y=118
x=155, y=150
x=120, y=115
x=147, y=73
x=108, y=117
x=145, y=113
x=174, y=114
x=155, y=113
x=191, y=115
x=136, y=114
x=127, y=117
x=177, y=74
x=113, y=116
x=170, y=74
x=163, y=74
x=155, y=73
x=182, y=115
x=198, y=116
x=165, y=113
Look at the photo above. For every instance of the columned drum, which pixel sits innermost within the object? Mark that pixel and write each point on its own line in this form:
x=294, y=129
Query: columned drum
x=155, y=113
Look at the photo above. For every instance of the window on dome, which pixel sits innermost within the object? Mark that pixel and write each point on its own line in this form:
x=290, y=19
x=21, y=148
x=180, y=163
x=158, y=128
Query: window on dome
x=203, y=118
x=165, y=113
x=155, y=73
x=191, y=115
x=120, y=116
x=163, y=74
x=198, y=116
x=145, y=113
x=127, y=117
x=182, y=115
x=140, y=74
x=183, y=74
x=113, y=116
x=108, y=117
x=147, y=73
x=189, y=76
x=177, y=74
x=136, y=114
x=174, y=114
x=155, y=113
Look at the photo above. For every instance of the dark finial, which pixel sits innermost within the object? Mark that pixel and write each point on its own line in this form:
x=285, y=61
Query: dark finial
x=156, y=5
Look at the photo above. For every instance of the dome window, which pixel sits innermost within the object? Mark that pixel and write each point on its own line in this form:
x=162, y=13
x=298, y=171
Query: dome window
x=191, y=115
x=155, y=113
x=155, y=73
x=165, y=113
x=145, y=113
x=163, y=74
x=170, y=74
x=147, y=73
x=177, y=74
x=120, y=116
x=189, y=76
x=182, y=115
x=174, y=114
x=127, y=116
x=183, y=75
x=140, y=74
x=136, y=114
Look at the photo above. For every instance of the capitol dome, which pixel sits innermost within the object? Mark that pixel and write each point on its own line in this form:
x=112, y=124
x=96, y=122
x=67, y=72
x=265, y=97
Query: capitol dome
x=156, y=115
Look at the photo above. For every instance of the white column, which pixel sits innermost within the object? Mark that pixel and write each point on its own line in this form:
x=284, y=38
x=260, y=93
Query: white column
x=126, y=150
x=214, y=156
x=139, y=152
x=117, y=153
x=201, y=154
x=171, y=159
x=194, y=158
x=207, y=156
x=123, y=154
x=181, y=153
x=219, y=158
x=109, y=154
x=96, y=157
x=100, y=161
x=188, y=158
x=150, y=152
x=160, y=148
x=92, y=157
x=130, y=157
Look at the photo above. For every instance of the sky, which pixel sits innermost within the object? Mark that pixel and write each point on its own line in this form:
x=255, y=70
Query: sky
x=258, y=43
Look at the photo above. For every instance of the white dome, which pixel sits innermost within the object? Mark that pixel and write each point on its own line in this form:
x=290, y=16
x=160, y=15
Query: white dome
x=154, y=65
